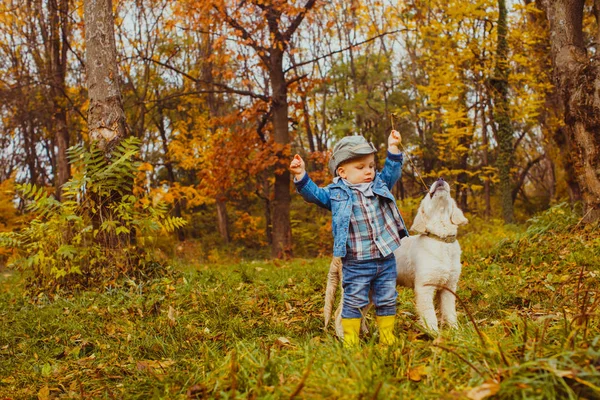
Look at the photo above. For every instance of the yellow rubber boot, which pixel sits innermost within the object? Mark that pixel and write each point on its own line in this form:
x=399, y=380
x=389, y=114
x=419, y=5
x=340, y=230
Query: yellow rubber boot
x=351, y=328
x=386, y=330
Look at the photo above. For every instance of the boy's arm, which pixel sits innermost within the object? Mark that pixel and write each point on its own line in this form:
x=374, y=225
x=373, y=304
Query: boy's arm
x=392, y=169
x=306, y=187
x=312, y=193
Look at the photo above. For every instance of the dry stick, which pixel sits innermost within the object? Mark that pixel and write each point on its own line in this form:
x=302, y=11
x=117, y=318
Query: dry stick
x=233, y=374
x=584, y=300
x=586, y=214
x=414, y=168
x=461, y=357
x=523, y=348
x=579, y=285
x=409, y=159
x=466, y=310
x=261, y=374
x=303, y=380
x=546, y=322
x=377, y=389
x=502, y=355
x=81, y=393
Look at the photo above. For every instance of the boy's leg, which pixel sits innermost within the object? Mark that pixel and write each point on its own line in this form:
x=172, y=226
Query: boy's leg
x=384, y=297
x=357, y=278
x=351, y=327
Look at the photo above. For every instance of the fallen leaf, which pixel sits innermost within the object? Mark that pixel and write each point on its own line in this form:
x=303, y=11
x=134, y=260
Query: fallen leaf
x=483, y=391
x=154, y=366
x=283, y=341
x=416, y=374
x=44, y=393
x=171, y=316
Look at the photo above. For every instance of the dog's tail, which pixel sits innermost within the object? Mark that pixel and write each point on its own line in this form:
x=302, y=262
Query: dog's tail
x=333, y=279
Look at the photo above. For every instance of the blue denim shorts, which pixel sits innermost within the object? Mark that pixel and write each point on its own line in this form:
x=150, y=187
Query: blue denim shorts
x=362, y=276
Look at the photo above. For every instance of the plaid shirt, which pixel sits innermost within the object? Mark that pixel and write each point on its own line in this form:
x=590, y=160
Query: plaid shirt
x=375, y=224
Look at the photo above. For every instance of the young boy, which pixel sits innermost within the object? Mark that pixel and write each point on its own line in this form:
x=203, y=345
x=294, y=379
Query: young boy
x=367, y=228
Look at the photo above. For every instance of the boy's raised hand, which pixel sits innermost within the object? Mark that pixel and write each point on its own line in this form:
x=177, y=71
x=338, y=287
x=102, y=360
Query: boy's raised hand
x=297, y=167
x=394, y=141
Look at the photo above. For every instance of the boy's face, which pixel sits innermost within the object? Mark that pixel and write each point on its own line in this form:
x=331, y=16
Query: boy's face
x=358, y=170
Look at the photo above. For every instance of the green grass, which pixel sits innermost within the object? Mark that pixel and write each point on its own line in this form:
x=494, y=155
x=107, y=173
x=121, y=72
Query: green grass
x=254, y=330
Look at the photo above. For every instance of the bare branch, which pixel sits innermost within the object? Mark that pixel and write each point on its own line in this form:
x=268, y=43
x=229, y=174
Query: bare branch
x=344, y=49
x=296, y=79
x=226, y=88
x=523, y=175
x=260, y=50
x=297, y=21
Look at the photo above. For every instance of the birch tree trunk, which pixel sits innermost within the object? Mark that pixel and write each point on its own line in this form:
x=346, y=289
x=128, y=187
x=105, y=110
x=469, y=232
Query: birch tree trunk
x=577, y=79
x=106, y=118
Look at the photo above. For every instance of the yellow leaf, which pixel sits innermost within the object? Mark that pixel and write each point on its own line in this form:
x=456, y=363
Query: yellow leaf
x=146, y=167
x=44, y=393
x=416, y=374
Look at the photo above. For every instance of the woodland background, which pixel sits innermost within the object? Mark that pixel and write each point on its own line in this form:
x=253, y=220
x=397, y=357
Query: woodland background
x=151, y=244
x=221, y=94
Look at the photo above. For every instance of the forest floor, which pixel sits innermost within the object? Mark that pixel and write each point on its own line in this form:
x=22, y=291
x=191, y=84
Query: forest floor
x=528, y=313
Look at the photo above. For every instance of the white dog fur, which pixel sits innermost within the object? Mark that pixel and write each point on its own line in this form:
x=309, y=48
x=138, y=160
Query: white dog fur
x=426, y=262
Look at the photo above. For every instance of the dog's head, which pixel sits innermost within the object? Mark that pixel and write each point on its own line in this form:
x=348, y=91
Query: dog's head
x=438, y=212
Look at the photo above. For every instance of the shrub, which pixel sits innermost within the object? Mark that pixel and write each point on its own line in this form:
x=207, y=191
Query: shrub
x=99, y=231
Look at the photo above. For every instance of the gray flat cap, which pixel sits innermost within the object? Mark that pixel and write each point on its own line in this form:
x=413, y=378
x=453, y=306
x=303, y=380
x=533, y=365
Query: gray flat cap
x=347, y=148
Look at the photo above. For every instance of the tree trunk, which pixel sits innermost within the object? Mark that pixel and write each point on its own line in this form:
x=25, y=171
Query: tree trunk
x=553, y=108
x=505, y=157
x=272, y=58
x=106, y=118
x=222, y=221
x=59, y=32
x=486, y=163
x=160, y=125
x=462, y=165
x=214, y=107
x=282, y=231
x=577, y=79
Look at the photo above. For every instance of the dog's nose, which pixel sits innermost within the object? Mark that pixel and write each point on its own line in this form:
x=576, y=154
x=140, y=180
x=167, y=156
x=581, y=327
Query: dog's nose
x=440, y=179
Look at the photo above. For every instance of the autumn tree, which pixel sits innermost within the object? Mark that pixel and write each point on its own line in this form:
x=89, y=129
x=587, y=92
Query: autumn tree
x=268, y=27
x=41, y=97
x=577, y=77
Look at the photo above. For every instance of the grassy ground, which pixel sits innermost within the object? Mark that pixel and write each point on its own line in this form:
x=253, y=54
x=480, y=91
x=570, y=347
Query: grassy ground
x=528, y=329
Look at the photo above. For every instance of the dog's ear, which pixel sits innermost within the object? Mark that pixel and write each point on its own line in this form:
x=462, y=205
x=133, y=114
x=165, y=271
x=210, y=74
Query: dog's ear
x=420, y=223
x=456, y=216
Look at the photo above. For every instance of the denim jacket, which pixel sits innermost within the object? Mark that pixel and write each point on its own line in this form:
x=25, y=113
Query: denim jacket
x=337, y=197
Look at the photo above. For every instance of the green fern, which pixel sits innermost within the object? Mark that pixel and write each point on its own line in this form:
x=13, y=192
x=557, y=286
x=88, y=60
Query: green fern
x=87, y=238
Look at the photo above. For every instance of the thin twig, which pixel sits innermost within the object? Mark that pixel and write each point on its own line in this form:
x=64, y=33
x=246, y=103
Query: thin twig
x=522, y=355
x=377, y=389
x=502, y=355
x=461, y=357
x=233, y=375
x=303, y=380
x=414, y=167
x=466, y=310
